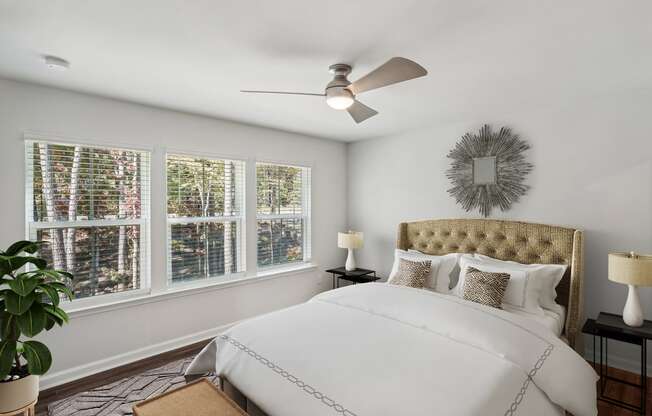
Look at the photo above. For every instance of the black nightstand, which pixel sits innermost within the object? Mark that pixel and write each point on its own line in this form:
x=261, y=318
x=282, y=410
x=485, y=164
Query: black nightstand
x=611, y=326
x=355, y=276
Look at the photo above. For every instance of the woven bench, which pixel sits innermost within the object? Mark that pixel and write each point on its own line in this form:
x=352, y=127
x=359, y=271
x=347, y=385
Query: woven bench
x=199, y=398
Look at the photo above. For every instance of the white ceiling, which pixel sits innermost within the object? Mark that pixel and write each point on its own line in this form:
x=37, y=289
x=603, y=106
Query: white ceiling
x=482, y=56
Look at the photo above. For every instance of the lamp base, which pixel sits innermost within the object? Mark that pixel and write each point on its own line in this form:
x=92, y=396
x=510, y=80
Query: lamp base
x=350, y=265
x=633, y=313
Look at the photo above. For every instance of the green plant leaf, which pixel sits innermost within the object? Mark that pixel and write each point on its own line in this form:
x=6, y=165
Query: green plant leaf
x=66, y=274
x=57, y=313
x=38, y=357
x=10, y=263
x=33, y=321
x=62, y=288
x=7, y=354
x=23, y=286
x=30, y=247
x=51, y=292
x=49, y=324
x=18, y=305
x=18, y=262
x=4, y=265
x=57, y=320
x=8, y=326
x=56, y=275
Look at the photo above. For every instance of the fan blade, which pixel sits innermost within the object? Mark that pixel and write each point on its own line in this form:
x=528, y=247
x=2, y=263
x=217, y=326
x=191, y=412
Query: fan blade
x=282, y=92
x=395, y=70
x=361, y=112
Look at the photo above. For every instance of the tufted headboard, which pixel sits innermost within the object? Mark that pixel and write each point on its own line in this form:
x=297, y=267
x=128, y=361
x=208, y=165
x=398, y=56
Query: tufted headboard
x=523, y=242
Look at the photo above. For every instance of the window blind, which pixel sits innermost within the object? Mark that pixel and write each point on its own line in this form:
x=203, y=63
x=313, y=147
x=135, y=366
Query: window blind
x=283, y=214
x=205, y=205
x=90, y=205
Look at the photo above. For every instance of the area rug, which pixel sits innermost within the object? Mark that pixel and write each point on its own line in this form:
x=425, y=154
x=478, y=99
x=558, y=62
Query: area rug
x=116, y=399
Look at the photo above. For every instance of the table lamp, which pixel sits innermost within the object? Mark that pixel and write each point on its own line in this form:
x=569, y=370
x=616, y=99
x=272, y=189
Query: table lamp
x=350, y=240
x=633, y=270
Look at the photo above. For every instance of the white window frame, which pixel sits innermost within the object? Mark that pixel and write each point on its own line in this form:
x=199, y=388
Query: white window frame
x=305, y=216
x=32, y=227
x=240, y=220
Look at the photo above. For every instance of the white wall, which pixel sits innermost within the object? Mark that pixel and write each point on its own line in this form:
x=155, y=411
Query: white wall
x=593, y=170
x=101, y=340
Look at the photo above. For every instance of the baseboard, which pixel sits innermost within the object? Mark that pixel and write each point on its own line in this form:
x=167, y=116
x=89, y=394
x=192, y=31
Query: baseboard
x=58, y=378
x=615, y=361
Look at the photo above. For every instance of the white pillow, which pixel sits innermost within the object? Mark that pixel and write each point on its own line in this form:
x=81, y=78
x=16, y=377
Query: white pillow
x=522, y=291
x=431, y=280
x=447, y=269
x=549, y=276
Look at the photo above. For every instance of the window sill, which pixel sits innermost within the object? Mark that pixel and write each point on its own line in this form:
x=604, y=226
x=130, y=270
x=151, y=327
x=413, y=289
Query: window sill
x=134, y=299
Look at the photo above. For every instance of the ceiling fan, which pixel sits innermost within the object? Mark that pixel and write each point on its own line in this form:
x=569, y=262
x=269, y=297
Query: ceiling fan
x=341, y=94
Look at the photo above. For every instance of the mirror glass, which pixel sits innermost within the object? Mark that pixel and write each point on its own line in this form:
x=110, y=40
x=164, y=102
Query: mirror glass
x=484, y=170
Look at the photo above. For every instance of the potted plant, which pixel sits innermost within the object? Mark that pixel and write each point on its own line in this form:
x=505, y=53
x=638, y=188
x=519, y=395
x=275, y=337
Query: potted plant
x=29, y=304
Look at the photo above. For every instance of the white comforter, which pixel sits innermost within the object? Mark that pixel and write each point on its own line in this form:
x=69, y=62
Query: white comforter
x=378, y=349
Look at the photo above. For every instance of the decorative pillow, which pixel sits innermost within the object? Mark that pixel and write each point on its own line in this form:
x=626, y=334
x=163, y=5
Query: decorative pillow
x=548, y=276
x=411, y=273
x=485, y=287
x=431, y=280
x=447, y=272
x=522, y=292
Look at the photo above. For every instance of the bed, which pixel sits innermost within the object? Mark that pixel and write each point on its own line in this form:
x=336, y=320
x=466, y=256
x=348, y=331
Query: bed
x=379, y=349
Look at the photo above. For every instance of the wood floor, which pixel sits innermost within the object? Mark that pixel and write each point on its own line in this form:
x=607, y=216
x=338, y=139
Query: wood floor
x=623, y=392
x=614, y=390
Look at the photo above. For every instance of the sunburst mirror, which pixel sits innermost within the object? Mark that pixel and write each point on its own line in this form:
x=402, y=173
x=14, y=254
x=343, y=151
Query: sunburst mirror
x=488, y=170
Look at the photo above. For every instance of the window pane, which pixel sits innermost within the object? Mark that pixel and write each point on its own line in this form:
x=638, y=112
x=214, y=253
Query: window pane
x=101, y=259
x=200, y=188
x=280, y=241
x=278, y=189
x=203, y=187
x=78, y=182
x=105, y=193
x=197, y=250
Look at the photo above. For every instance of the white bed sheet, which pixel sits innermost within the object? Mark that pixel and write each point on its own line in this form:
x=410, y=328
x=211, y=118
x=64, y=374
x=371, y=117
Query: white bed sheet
x=411, y=352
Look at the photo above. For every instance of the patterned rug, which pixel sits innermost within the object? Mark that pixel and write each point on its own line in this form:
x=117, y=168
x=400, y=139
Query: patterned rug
x=116, y=399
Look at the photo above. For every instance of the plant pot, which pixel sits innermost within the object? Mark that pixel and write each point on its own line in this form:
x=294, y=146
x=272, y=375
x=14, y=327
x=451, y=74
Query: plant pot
x=17, y=394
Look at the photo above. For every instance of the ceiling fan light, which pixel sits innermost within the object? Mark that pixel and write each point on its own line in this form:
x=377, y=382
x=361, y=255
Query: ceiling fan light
x=339, y=98
x=339, y=103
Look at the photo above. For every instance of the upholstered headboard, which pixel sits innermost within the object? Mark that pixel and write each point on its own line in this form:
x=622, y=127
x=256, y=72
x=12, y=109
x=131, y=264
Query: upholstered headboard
x=508, y=240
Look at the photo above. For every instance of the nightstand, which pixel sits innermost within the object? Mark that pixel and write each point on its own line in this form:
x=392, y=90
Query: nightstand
x=355, y=276
x=611, y=326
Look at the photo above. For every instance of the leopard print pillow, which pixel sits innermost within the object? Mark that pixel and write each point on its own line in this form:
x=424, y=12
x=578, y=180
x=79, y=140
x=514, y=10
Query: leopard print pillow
x=412, y=273
x=485, y=287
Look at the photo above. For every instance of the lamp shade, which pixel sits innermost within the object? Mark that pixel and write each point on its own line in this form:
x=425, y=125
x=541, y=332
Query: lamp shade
x=352, y=239
x=630, y=269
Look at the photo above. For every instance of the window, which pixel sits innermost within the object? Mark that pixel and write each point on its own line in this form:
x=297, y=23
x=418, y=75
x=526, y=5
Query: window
x=205, y=205
x=91, y=206
x=283, y=214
